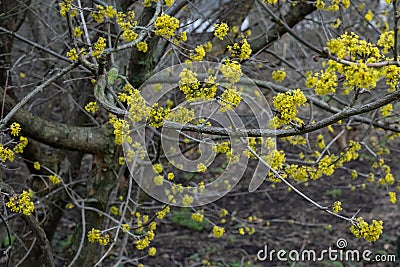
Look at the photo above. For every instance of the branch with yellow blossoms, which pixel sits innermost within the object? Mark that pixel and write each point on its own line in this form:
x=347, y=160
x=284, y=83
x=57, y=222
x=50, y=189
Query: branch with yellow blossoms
x=359, y=227
x=344, y=114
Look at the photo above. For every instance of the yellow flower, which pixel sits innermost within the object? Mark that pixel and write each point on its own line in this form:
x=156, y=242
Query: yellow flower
x=98, y=15
x=36, y=165
x=142, y=243
x=392, y=196
x=114, y=210
x=231, y=70
x=278, y=75
x=241, y=231
x=198, y=217
x=77, y=31
x=199, y=53
x=320, y=141
x=218, y=231
x=230, y=99
x=22, y=203
x=152, y=251
x=221, y=30
x=98, y=47
x=336, y=23
x=54, y=179
x=337, y=206
x=15, y=128
x=386, y=110
x=92, y=107
x=166, y=26
x=142, y=46
x=170, y=176
x=187, y=200
x=240, y=50
x=125, y=227
x=158, y=180
x=371, y=233
x=110, y=12
x=369, y=15
x=320, y=4
x=93, y=235
x=72, y=54
x=169, y=2
x=201, y=167
x=157, y=168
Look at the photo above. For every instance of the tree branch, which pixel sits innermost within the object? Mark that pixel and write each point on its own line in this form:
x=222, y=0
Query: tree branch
x=346, y=113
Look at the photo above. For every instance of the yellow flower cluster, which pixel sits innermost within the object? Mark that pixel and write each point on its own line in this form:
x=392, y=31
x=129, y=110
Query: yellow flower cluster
x=92, y=107
x=286, y=104
x=334, y=6
x=386, y=110
x=275, y=160
x=392, y=196
x=230, y=99
x=295, y=140
x=94, y=235
x=166, y=26
x=54, y=179
x=181, y=115
x=197, y=216
x=72, y=54
x=187, y=200
x=22, y=203
x=199, y=53
x=218, y=231
x=279, y=75
x=157, y=115
x=137, y=105
x=152, y=251
x=98, y=47
x=6, y=153
x=320, y=141
x=158, y=180
x=369, y=15
x=223, y=147
x=386, y=40
x=77, y=31
x=201, y=167
x=15, y=128
x=325, y=81
x=231, y=70
x=142, y=46
x=36, y=165
x=337, y=206
x=19, y=148
x=349, y=45
x=271, y=2
x=101, y=13
x=193, y=89
x=121, y=130
x=240, y=50
x=126, y=23
x=371, y=233
x=161, y=214
x=65, y=8
x=221, y=30
x=392, y=75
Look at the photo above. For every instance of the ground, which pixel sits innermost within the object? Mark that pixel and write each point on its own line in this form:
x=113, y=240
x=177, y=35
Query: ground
x=294, y=224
